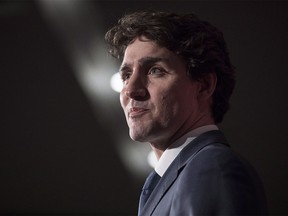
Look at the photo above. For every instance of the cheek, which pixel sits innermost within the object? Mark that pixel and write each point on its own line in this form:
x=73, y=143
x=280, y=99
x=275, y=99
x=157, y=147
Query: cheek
x=123, y=102
x=121, y=99
x=176, y=102
x=167, y=106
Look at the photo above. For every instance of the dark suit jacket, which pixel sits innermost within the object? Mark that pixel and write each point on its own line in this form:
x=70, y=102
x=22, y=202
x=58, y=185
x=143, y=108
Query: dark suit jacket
x=207, y=178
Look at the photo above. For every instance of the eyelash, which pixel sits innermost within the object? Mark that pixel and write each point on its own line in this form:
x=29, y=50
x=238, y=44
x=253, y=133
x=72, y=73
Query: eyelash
x=159, y=72
x=125, y=76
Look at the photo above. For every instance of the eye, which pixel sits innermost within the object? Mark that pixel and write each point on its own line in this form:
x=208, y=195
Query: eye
x=157, y=71
x=125, y=76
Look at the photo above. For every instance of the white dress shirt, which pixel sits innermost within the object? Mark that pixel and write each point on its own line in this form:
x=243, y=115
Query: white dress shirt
x=172, y=151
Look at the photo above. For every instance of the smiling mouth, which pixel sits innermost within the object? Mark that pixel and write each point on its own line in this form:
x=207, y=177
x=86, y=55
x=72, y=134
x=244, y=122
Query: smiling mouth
x=137, y=112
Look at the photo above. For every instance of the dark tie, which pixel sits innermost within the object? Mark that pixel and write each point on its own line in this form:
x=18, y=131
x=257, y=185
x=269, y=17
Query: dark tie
x=148, y=187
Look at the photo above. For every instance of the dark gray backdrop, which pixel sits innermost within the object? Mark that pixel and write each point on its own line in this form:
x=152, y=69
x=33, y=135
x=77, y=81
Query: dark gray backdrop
x=55, y=155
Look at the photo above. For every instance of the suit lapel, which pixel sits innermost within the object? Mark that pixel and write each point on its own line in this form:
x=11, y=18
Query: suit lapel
x=178, y=164
x=165, y=182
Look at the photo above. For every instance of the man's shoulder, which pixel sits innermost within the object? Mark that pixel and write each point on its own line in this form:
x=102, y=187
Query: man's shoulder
x=217, y=162
x=219, y=156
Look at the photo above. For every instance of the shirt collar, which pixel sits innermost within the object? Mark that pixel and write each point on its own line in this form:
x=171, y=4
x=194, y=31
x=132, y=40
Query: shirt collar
x=172, y=151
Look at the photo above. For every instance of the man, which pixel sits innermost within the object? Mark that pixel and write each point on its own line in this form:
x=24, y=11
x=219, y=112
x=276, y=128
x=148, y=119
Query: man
x=177, y=80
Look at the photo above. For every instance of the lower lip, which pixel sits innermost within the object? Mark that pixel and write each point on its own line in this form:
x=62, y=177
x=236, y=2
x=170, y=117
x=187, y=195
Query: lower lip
x=136, y=114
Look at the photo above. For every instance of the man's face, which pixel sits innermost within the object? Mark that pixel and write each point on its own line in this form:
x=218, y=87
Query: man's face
x=159, y=100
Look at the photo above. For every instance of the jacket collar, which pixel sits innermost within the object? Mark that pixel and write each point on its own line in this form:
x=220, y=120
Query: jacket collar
x=178, y=164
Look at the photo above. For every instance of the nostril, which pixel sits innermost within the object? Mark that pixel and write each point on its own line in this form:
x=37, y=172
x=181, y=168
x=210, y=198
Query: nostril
x=136, y=93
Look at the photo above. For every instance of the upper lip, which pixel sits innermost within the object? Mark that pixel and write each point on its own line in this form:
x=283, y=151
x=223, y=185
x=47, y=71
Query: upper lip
x=136, y=110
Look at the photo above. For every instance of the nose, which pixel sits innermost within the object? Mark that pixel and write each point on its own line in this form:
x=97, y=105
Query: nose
x=135, y=87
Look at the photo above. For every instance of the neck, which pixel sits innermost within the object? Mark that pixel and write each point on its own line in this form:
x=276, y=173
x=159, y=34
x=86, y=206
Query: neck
x=159, y=147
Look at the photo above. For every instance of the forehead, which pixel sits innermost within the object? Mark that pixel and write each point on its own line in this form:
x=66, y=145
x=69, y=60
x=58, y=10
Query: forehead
x=142, y=49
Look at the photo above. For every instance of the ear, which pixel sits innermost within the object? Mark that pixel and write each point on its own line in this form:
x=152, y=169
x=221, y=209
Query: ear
x=207, y=85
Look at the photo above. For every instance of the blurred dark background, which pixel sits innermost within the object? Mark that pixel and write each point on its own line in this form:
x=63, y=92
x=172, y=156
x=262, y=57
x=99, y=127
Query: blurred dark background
x=64, y=145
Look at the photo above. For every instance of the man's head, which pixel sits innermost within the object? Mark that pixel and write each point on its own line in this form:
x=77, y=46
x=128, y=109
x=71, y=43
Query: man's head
x=159, y=43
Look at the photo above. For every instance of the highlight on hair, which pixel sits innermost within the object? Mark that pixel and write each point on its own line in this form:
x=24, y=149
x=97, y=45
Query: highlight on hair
x=201, y=44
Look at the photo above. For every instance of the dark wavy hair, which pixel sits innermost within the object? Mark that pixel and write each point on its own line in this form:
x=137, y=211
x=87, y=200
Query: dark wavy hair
x=201, y=44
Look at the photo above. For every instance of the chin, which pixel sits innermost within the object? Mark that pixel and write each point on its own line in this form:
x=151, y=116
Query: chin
x=138, y=137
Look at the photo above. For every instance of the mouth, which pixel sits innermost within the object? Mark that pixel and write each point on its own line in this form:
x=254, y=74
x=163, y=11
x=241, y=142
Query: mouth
x=135, y=112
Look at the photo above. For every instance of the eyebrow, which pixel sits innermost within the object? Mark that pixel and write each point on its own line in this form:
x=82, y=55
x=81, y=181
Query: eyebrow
x=143, y=61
